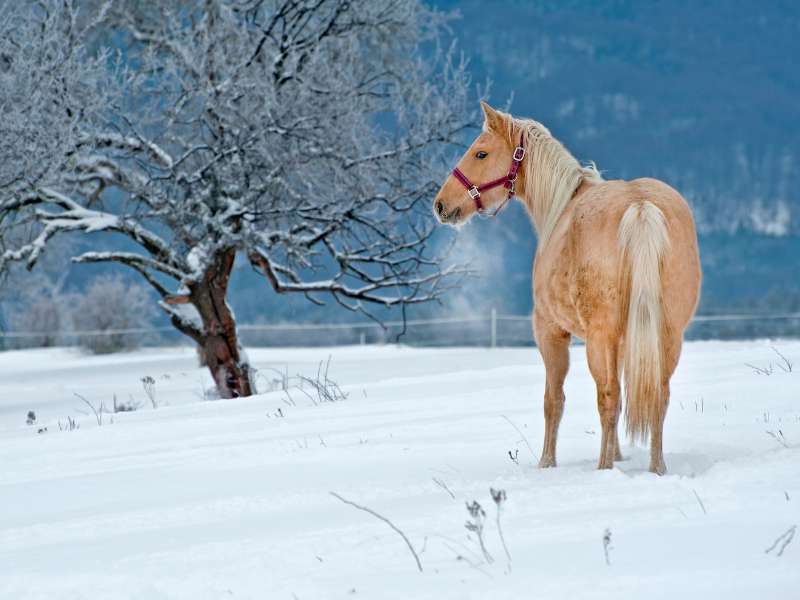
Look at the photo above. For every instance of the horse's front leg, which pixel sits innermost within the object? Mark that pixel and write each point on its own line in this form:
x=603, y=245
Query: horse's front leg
x=602, y=353
x=553, y=343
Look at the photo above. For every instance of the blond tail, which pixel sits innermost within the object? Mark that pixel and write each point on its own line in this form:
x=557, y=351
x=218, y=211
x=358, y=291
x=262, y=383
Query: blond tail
x=643, y=240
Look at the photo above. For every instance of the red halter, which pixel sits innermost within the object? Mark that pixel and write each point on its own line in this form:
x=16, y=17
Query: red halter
x=508, y=181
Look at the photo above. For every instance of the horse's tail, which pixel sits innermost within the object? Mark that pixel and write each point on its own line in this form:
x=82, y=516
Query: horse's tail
x=643, y=240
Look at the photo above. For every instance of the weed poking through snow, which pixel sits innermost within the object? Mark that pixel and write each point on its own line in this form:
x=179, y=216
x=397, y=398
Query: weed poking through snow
x=761, y=370
x=475, y=525
x=69, y=425
x=326, y=389
x=785, y=365
x=607, y=547
x=97, y=410
x=322, y=388
x=700, y=502
x=499, y=497
x=149, y=385
x=129, y=406
x=778, y=437
x=443, y=485
x=385, y=520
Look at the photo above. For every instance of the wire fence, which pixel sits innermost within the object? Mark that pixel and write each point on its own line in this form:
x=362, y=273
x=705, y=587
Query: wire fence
x=490, y=330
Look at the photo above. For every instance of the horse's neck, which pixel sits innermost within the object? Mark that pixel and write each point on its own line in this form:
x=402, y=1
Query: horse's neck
x=584, y=186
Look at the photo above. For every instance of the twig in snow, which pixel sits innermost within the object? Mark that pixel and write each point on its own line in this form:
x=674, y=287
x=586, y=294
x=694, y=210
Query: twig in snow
x=499, y=496
x=476, y=526
x=787, y=364
x=607, y=547
x=778, y=437
x=761, y=370
x=385, y=520
x=699, y=501
x=443, y=485
x=98, y=413
x=522, y=435
x=782, y=541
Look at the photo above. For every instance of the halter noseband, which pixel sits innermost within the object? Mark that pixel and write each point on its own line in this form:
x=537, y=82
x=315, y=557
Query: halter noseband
x=508, y=181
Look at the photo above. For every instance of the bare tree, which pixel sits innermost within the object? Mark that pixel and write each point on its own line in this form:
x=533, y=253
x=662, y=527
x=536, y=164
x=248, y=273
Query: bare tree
x=301, y=134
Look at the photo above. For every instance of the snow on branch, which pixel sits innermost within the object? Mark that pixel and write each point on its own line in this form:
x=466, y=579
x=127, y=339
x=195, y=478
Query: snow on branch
x=130, y=144
x=75, y=217
x=142, y=264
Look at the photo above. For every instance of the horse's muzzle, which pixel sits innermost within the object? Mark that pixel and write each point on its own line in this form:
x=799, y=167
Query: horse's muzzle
x=446, y=217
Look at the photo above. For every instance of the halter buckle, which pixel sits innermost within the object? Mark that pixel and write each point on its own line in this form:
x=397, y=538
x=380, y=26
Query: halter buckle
x=474, y=193
x=519, y=154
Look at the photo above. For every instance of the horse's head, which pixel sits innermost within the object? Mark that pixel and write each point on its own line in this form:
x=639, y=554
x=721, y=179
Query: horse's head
x=481, y=182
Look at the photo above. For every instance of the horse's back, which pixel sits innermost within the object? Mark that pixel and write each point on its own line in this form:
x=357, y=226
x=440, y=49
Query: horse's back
x=577, y=272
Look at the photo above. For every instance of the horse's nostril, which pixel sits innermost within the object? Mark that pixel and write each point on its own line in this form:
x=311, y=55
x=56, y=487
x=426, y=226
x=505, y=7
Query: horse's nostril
x=440, y=207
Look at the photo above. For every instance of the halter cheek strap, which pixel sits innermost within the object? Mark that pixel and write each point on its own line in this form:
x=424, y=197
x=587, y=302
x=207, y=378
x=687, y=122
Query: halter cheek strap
x=508, y=181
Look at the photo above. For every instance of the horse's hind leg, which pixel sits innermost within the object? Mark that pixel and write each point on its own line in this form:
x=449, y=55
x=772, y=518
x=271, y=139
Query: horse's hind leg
x=602, y=354
x=672, y=352
x=553, y=343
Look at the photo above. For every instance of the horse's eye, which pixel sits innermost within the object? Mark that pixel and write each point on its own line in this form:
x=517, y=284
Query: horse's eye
x=481, y=155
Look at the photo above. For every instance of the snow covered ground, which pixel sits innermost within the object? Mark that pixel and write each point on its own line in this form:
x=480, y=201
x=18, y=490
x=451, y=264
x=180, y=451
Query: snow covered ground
x=203, y=499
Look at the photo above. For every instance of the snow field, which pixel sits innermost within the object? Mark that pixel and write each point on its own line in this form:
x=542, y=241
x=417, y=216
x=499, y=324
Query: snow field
x=230, y=499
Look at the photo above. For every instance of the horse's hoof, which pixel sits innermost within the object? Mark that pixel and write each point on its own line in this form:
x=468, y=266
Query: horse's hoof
x=659, y=469
x=547, y=463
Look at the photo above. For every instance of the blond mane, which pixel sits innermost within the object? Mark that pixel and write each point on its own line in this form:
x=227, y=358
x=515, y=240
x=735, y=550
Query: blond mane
x=552, y=175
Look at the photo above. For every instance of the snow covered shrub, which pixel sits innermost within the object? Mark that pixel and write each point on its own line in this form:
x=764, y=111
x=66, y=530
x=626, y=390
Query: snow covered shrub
x=42, y=320
x=110, y=308
x=35, y=307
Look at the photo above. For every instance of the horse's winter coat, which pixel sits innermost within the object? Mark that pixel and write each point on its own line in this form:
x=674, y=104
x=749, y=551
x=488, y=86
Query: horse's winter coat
x=616, y=265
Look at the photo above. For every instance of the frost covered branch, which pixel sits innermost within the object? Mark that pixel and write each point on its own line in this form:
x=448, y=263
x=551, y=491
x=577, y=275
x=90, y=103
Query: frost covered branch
x=305, y=135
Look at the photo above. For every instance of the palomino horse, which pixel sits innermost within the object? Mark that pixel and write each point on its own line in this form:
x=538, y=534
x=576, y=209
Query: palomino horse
x=616, y=265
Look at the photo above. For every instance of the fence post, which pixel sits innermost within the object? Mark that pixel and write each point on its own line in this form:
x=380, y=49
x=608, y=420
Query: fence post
x=494, y=328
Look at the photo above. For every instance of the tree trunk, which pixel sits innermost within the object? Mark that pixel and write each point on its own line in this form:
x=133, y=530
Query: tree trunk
x=219, y=344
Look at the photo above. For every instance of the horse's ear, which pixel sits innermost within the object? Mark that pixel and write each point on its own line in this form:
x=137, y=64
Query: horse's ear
x=495, y=120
